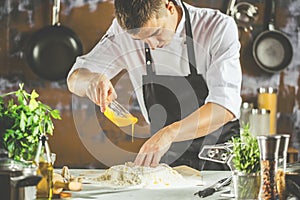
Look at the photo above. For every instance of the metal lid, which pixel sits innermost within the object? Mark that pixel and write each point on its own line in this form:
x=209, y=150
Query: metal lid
x=284, y=143
x=269, y=146
x=269, y=90
x=247, y=105
x=260, y=111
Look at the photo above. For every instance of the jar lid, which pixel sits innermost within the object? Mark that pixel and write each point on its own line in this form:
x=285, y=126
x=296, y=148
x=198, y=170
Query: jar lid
x=247, y=105
x=269, y=90
x=260, y=111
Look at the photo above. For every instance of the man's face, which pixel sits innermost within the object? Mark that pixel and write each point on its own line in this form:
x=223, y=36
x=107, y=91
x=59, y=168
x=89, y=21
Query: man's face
x=158, y=32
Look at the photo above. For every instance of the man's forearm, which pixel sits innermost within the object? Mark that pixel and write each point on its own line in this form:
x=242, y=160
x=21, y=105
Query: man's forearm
x=79, y=81
x=203, y=121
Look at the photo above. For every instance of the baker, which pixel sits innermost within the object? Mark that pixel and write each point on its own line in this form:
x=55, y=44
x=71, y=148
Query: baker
x=183, y=63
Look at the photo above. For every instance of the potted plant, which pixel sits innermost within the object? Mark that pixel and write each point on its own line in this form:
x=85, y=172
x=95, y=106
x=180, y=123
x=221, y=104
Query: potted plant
x=246, y=162
x=23, y=119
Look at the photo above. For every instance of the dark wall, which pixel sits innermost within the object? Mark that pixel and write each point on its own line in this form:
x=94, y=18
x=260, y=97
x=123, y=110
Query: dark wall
x=78, y=140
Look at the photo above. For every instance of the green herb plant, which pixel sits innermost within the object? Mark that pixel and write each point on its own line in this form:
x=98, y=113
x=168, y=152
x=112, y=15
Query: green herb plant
x=23, y=119
x=246, y=152
x=246, y=161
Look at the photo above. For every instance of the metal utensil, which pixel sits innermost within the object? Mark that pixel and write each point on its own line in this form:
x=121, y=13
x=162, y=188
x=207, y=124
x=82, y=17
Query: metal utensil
x=214, y=188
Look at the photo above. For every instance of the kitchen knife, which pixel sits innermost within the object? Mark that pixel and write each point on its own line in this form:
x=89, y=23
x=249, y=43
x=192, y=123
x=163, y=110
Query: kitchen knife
x=214, y=188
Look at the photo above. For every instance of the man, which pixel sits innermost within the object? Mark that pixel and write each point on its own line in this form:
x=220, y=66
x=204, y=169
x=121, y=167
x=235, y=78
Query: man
x=184, y=65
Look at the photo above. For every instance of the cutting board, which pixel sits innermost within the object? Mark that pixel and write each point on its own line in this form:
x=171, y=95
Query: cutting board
x=185, y=170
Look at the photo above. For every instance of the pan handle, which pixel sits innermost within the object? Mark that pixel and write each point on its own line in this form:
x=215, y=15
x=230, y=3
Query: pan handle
x=270, y=12
x=55, y=13
x=230, y=7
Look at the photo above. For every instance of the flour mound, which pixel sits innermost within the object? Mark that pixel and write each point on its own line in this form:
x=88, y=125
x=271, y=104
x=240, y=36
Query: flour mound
x=131, y=175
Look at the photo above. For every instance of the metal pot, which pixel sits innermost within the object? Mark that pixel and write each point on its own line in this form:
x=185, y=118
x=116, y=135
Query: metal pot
x=14, y=177
x=53, y=49
x=272, y=50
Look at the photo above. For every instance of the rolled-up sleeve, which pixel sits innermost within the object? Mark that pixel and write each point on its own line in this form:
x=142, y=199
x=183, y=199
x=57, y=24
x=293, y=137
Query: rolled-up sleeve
x=103, y=57
x=224, y=75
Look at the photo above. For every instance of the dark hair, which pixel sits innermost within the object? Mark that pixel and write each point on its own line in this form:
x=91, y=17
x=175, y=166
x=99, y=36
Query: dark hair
x=133, y=14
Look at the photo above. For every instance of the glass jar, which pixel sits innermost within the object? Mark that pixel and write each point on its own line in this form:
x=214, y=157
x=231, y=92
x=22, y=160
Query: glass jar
x=246, y=185
x=245, y=113
x=259, y=122
x=267, y=99
x=268, y=146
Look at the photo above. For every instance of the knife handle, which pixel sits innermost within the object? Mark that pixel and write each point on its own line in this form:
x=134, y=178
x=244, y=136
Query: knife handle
x=206, y=192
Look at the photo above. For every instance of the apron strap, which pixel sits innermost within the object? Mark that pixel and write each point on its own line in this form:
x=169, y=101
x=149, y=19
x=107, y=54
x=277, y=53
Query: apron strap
x=189, y=41
x=149, y=67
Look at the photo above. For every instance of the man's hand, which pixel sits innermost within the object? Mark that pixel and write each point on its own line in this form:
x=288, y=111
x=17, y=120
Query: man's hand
x=100, y=91
x=154, y=148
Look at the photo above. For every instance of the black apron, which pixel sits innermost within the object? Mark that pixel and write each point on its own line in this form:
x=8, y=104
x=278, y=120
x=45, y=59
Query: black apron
x=171, y=98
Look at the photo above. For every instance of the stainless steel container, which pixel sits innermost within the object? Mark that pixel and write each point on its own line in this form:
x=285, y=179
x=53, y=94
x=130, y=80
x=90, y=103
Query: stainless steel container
x=269, y=147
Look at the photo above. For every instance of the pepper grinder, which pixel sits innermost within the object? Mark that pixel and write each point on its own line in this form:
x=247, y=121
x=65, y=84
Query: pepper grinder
x=269, y=147
x=282, y=159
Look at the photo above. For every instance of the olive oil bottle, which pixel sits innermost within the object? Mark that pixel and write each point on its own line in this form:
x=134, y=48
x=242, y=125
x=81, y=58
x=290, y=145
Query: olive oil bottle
x=45, y=169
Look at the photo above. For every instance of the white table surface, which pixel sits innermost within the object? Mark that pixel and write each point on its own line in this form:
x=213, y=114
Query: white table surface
x=91, y=191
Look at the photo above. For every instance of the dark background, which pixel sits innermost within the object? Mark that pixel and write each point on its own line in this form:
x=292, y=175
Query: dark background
x=89, y=19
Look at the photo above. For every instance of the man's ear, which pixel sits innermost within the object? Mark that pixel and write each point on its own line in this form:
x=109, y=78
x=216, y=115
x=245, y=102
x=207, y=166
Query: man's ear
x=171, y=7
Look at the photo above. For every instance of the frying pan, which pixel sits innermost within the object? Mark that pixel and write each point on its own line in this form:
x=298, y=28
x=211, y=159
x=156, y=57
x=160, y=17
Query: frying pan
x=272, y=50
x=53, y=49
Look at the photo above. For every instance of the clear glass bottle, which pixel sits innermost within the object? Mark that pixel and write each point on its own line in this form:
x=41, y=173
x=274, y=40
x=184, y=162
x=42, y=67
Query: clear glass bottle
x=45, y=169
x=269, y=147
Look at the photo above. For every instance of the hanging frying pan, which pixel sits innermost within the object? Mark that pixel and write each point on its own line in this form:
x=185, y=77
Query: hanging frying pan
x=52, y=50
x=272, y=49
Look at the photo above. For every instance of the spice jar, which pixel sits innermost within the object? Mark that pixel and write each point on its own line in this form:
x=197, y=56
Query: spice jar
x=259, y=122
x=269, y=147
x=267, y=99
x=282, y=158
x=245, y=113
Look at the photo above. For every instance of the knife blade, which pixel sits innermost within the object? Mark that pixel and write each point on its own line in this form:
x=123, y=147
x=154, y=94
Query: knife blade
x=214, y=188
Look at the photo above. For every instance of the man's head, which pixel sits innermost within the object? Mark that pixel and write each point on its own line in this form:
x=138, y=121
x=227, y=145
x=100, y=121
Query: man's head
x=133, y=14
x=153, y=21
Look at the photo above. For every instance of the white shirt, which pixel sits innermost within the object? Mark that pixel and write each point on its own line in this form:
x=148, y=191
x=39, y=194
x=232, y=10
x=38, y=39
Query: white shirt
x=216, y=50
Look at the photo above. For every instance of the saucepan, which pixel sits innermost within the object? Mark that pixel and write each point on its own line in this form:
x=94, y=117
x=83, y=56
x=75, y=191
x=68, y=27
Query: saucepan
x=271, y=49
x=52, y=50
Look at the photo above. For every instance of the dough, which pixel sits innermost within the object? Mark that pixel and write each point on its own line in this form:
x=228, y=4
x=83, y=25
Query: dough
x=131, y=175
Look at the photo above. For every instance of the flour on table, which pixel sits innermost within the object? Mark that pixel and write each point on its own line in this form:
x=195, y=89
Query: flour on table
x=131, y=175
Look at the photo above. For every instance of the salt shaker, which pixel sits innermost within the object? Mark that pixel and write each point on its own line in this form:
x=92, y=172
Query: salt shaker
x=269, y=147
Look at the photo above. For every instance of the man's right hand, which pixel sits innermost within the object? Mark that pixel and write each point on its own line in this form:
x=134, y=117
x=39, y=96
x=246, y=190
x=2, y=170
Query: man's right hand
x=97, y=87
x=101, y=91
